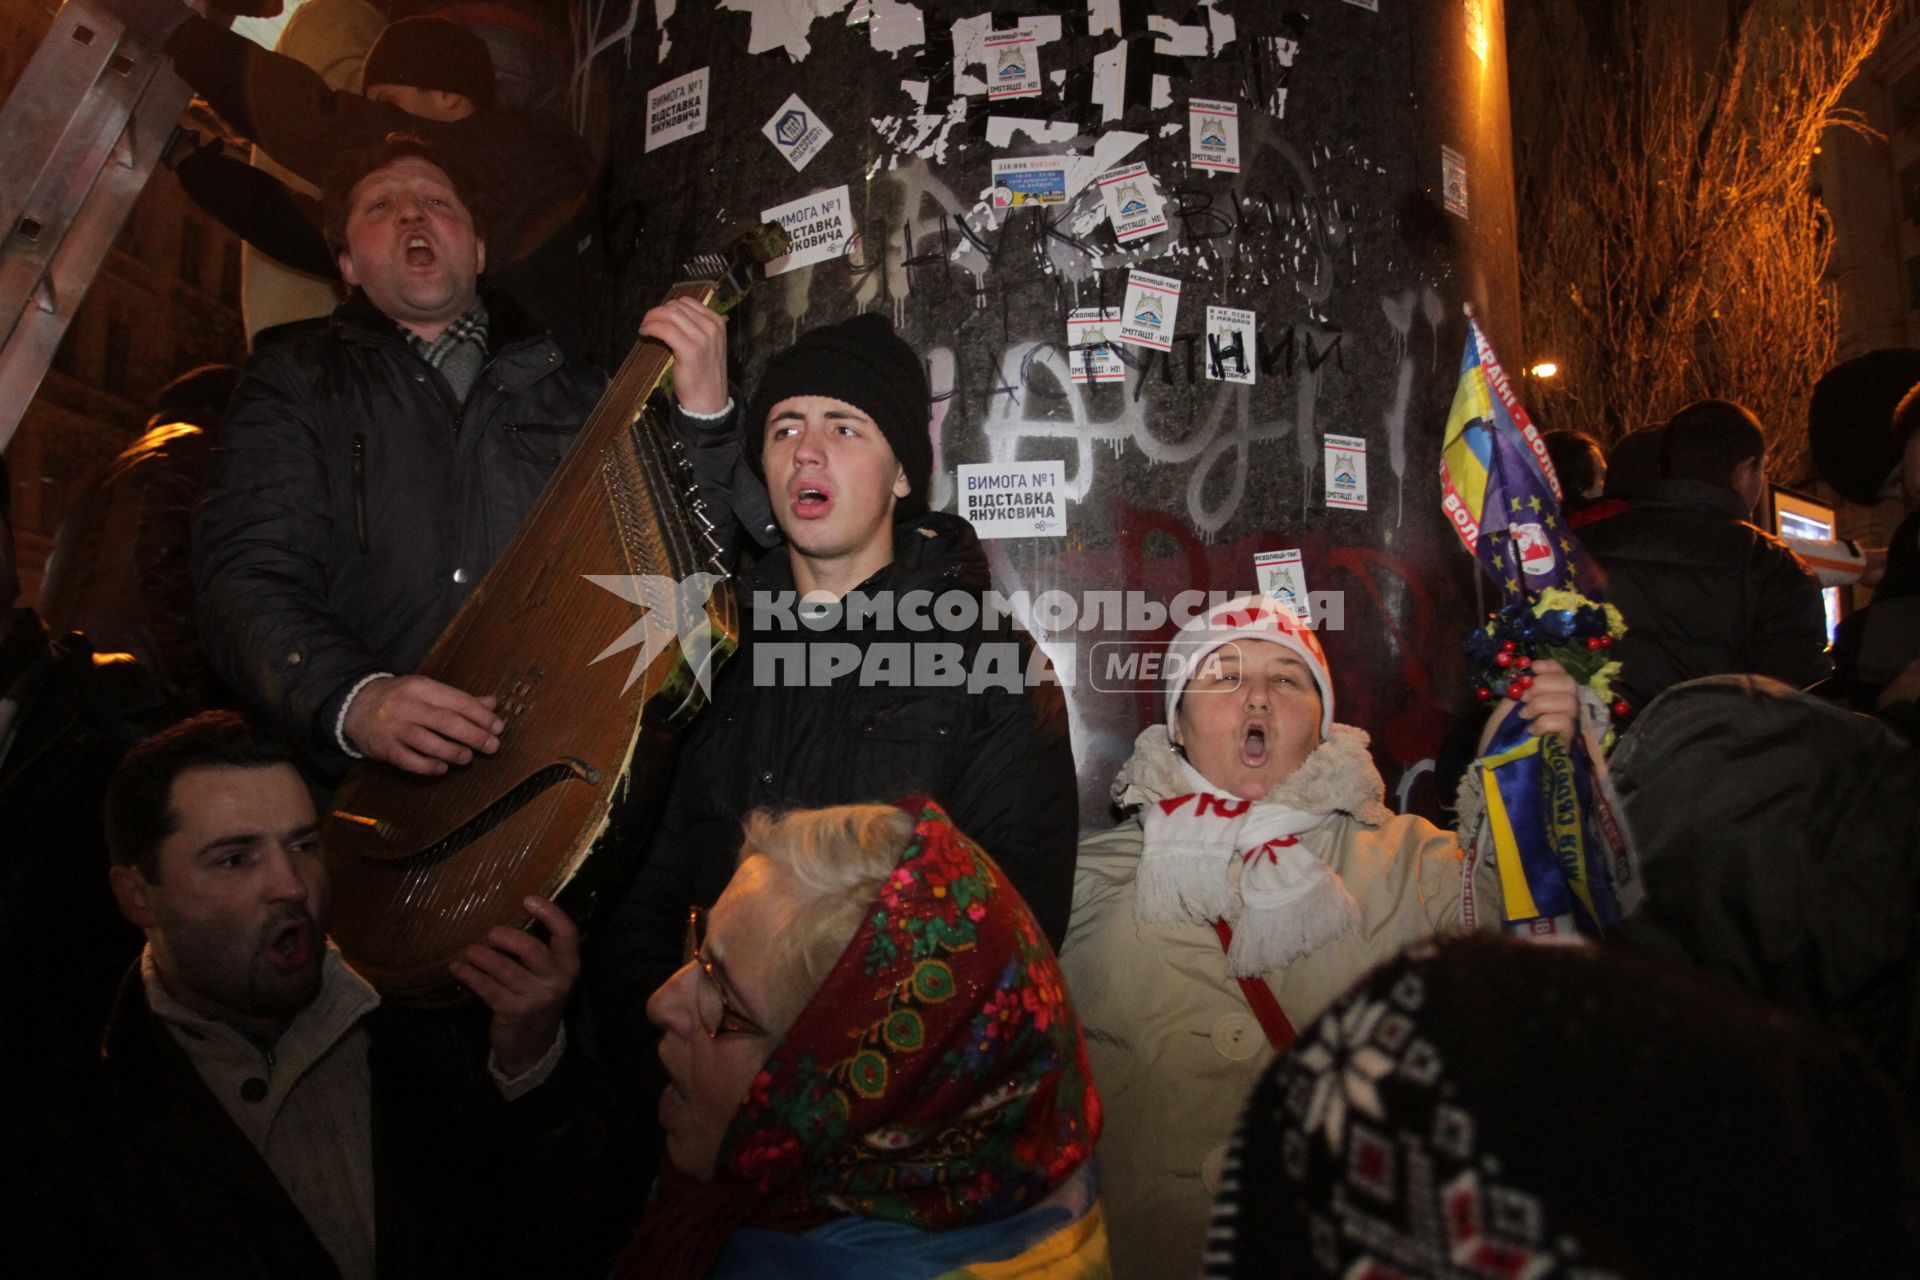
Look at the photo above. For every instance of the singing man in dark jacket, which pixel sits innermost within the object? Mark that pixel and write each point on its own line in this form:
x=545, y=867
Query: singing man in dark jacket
x=369, y=473
x=848, y=706
x=255, y=1111
x=1704, y=591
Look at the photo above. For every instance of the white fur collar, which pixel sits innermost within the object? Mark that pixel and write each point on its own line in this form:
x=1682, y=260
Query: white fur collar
x=1338, y=777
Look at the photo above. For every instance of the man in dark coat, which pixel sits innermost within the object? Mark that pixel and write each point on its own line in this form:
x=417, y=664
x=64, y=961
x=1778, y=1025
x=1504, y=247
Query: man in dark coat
x=370, y=473
x=255, y=1111
x=834, y=697
x=1703, y=590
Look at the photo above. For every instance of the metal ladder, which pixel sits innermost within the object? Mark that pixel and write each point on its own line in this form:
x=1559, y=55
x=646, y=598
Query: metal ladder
x=79, y=137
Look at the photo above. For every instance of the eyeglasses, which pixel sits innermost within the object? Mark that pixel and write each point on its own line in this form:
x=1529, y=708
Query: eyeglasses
x=713, y=1003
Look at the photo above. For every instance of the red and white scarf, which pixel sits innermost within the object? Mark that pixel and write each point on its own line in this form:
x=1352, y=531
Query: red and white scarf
x=1208, y=856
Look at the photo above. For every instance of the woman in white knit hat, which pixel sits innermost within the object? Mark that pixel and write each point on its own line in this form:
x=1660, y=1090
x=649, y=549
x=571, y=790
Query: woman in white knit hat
x=1257, y=877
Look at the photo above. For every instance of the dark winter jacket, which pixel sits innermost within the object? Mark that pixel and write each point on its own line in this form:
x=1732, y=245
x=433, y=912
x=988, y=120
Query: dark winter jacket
x=999, y=760
x=1779, y=840
x=1704, y=592
x=129, y=1166
x=353, y=502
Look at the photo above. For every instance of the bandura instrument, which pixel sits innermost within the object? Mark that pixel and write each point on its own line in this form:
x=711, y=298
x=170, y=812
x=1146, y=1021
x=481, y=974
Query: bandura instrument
x=597, y=632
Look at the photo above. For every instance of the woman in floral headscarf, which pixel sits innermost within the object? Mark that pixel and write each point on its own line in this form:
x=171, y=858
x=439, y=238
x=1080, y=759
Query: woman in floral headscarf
x=875, y=1070
x=1259, y=874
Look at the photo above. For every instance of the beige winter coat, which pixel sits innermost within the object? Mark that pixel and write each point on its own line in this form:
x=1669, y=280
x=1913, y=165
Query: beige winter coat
x=1175, y=1046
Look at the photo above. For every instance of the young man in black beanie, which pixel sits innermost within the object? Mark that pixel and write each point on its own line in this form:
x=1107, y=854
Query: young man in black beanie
x=850, y=686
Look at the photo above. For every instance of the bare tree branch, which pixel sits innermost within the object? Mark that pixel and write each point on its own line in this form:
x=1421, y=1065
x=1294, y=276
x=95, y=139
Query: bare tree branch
x=1671, y=245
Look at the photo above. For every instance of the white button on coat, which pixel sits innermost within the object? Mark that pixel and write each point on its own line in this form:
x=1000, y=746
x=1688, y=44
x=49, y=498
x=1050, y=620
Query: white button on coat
x=1236, y=1036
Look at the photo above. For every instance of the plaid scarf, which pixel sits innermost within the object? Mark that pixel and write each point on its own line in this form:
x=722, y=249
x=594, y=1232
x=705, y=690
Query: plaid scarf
x=460, y=351
x=937, y=1078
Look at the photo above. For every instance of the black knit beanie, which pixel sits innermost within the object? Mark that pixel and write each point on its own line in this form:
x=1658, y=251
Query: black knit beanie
x=432, y=53
x=863, y=362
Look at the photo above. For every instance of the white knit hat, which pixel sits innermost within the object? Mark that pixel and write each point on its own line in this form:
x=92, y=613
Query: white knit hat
x=1254, y=617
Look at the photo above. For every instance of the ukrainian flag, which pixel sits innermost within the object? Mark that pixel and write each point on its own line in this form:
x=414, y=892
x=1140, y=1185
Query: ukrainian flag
x=1498, y=488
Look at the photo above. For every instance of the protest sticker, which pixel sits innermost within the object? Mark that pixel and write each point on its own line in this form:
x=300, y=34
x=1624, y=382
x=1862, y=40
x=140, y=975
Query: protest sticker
x=1020, y=500
x=1230, y=345
x=796, y=132
x=1453, y=181
x=1090, y=336
x=677, y=109
x=1283, y=579
x=1146, y=319
x=1025, y=180
x=1013, y=65
x=819, y=228
x=1347, y=472
x=1213, y=132
x=1133, y=202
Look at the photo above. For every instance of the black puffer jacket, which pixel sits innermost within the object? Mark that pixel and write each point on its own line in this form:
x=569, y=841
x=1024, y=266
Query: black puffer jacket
x=353, y=502
x=1705, y=593
x=1779, y=839
x=999, y=760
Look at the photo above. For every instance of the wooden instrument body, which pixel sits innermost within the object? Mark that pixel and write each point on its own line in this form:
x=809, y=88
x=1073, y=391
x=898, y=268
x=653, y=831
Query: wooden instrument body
x=423, y=866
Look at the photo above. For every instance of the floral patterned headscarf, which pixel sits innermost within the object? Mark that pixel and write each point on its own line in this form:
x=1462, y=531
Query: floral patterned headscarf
x=936, y=1079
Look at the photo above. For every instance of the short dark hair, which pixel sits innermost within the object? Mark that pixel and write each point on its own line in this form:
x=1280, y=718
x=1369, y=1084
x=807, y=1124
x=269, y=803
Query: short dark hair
x=139, y=806
x=336, y=193
x=1572, y=453
x=1708, y=439
x=1634, y=461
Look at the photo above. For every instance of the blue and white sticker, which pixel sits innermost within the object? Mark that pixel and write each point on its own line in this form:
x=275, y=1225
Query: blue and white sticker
x=1019, y=181
x=1346, y=472
x=1213, y=133
x=1134, y=206
x=1282, y=576
x=1153, y=303
x=1013, y=64
x=1091, y=334
x=796, y=132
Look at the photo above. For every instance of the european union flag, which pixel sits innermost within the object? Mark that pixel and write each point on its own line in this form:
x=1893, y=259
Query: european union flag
x=1498, y=488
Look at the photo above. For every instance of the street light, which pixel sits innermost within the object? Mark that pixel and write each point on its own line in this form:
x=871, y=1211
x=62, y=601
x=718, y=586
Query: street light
x=1543, y=370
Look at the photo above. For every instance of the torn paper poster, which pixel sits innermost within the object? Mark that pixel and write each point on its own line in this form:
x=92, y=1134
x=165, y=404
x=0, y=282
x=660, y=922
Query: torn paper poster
x=892, y=25
x=819, y=228
x=1276, y=55
x=1001, y=130
x=1347, y=472
x=1230, y=345
x=1453, y=181
x=1134, y=206
x=1220, y=26
x=783, y=24
x=1282, y=576
x=1214, y=134
x=1013, y=65
x=1025, y=180
x=970, y=36
x=1103, y=16
x=677, y=109
x=1175, y=40
x=1110, y=82
x=1371, y=6
x=1090, y=337
x=662, y=10
x=1153, y=302
x=796, y=132
x=1023, y=500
